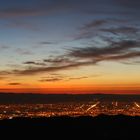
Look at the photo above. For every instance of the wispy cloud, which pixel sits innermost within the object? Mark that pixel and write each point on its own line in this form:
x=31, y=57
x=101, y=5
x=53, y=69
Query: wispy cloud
x=58, y=60
x=34, y=63
x=103, y=27
x=2, y=77
x=90, y=29
x=77, y=57
x=14, y=84
x=5, y=72
x=123, y=30
x=46, y=43
x=50, y=80
x=124, y=46
x=56, y=78
x=38, y=70
x=114, y=48
x=78, y=78
x=94, y=24
x=4, y=47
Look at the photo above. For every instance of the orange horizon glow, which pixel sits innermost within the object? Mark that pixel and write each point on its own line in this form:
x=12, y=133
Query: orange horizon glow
x=75, y=90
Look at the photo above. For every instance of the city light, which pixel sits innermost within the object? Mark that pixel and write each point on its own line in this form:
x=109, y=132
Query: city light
x=72, y=109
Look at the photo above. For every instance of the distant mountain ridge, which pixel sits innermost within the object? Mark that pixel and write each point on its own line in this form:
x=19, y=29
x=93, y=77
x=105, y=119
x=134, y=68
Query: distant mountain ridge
x=12, y=98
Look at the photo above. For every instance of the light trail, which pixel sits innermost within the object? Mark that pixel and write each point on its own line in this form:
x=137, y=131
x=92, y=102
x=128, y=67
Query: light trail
x=137, y=105
x=116, y=103
x=92, y=106
x=80, y=107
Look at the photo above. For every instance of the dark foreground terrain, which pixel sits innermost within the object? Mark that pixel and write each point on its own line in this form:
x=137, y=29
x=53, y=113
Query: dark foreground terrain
x=103, y=126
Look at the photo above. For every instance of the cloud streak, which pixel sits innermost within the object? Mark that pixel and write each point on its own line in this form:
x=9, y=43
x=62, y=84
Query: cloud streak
x=94, y=24
x=14, y=84
x=104, y=27
x=122, y=30
x=113, y=49
x=77, y=57
x=50, y=80
x=34, y=63
x=3, y=47
x=78, y=78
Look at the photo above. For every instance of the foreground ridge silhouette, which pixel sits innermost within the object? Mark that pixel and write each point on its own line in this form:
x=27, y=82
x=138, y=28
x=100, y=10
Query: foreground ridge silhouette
x=102, y=126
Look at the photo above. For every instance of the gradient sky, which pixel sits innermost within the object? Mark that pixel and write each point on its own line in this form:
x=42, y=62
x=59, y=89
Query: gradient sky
x=70, y=46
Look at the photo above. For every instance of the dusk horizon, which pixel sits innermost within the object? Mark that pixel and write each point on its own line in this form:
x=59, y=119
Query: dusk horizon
x=70, y=66
x=70, y=91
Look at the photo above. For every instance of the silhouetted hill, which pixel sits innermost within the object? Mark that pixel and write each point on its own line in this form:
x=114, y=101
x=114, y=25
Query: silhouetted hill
x=10, y=98
x=102, y=126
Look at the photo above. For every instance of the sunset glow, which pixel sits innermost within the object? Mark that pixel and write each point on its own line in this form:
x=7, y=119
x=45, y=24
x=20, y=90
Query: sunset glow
x=73, y=46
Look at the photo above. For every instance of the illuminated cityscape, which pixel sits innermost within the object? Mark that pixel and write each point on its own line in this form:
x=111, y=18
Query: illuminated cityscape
x=72, y=109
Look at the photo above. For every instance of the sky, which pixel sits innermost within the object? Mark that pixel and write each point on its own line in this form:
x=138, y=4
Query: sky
x=70, y=46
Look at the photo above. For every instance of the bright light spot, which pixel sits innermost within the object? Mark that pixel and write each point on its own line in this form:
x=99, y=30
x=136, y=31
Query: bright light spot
x=10, y=118
x=92, y=106
x=137, y=104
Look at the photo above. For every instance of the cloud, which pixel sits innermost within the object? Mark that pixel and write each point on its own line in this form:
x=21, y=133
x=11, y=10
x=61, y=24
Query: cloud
x=114, y=48
x=78, y=78
x=46, y=43
x=90, y=29
x=34, y=63
x=131, y=63
x=123, y=30
x=52, y=78
x=3, y=47
x=77, y=57
x=56, y=78
x=58, y=60
x=124, y=56
x=94, y=24
x=1, y=77
x=14, y=84
x=123, y=50
x=116, y=51
x=101, y=27
x=38, y=70
x=82, y=77
x=4, y=72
